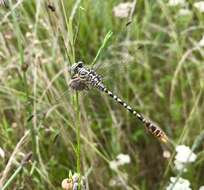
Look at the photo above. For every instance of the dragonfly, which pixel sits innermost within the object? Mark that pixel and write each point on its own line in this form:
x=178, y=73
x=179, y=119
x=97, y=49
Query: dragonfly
x=83, y=77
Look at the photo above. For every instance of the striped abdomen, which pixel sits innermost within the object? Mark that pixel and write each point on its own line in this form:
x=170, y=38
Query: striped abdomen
x=152, y=128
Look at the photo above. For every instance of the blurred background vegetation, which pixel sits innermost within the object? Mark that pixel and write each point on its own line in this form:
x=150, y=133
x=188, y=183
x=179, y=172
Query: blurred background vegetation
x=153, y=61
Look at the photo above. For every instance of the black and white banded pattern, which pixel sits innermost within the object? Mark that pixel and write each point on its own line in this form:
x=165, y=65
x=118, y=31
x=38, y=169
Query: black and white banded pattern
x=87, y=77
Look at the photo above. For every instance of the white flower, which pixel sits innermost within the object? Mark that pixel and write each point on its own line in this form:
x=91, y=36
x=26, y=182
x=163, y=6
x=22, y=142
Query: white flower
x=123, y=159
x=176, y=2
x=201, y=42
x=180, y=166
x=178, y=184
x=113, y=165
x=184, y=12
x=201, y=188
x=120, y=160
x=2, y=153
x=184, y=155
x=200, y=6
x=123, y=9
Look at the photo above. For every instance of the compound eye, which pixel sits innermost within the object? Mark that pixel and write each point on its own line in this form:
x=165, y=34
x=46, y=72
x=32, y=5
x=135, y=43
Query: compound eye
x=74, y=67
x=80, y=64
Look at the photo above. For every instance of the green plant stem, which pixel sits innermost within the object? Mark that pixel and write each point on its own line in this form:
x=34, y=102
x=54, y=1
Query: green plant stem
x=10, y=180
x=105, y=41
x=78, y=135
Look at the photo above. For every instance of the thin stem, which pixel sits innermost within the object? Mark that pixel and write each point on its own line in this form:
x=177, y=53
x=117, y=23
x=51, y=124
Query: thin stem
x=10, y=180
x=78, y=135
x=105, y=41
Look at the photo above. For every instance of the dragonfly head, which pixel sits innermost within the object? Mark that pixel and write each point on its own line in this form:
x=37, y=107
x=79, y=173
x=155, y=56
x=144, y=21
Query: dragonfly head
x=76, y=66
